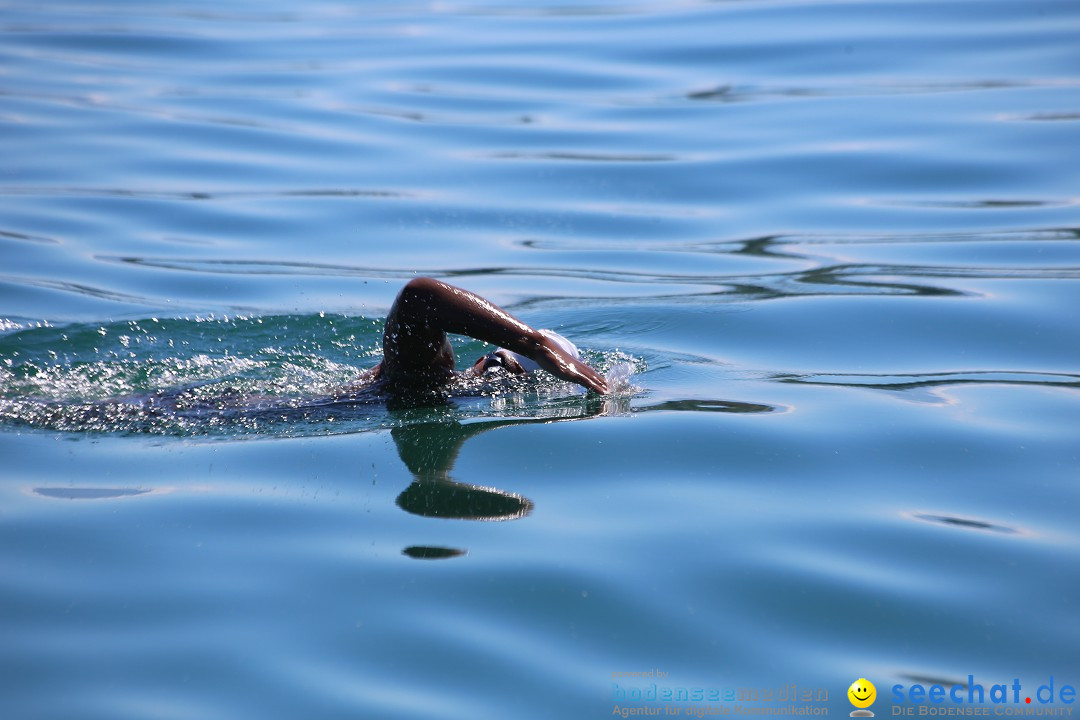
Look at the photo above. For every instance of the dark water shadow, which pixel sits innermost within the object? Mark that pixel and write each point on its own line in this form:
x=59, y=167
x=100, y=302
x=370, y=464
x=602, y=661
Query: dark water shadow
x=431, y=552
x=964, y=523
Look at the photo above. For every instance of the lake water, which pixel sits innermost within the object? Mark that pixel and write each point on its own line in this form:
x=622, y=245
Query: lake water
x=838, y=242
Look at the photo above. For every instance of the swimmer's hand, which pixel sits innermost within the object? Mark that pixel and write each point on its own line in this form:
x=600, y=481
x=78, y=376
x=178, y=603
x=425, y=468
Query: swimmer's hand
x=551, y=357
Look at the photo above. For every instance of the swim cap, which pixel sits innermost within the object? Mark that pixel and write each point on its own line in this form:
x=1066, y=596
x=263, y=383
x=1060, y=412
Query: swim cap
x=562, y=342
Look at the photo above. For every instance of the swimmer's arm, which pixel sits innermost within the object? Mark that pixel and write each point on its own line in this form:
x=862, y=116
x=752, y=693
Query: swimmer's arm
x=427, y=309
x=551, y=357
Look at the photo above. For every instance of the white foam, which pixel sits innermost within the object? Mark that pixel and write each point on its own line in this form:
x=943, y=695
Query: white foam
x=618, y=377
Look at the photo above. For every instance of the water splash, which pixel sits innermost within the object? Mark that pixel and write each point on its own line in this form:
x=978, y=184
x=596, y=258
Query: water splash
x=618, y=377
x=230, y=376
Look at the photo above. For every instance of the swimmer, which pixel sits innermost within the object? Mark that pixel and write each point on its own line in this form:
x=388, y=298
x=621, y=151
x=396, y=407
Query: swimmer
x=417, y=357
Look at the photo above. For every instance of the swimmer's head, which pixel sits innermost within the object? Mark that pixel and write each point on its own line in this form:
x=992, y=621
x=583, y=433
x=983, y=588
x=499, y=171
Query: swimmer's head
x=499, y=360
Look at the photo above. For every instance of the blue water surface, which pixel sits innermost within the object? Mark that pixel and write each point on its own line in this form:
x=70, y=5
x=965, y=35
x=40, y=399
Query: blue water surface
x=837, y=242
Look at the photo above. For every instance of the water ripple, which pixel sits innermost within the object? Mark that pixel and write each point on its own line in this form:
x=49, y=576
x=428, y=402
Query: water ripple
x=742, y=93
x=984, y=204
x=24, y=237
x=587, y=157
x=936, y=380
x=89, y=493
x=78, y=289
x=839, y=278
x=965, y=523
x=198, y=194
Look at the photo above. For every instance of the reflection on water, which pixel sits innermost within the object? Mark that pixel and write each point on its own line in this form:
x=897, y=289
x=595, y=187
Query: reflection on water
x=429, y=450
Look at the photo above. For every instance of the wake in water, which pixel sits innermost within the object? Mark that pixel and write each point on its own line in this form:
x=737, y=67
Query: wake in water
x=278, y=375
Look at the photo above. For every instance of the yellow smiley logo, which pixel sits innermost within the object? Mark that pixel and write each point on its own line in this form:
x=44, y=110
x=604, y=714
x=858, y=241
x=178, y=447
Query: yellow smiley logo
x=862, y=693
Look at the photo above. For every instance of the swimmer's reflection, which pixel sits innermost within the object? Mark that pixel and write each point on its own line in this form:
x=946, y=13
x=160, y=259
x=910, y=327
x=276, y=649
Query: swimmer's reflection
x=429, y=450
